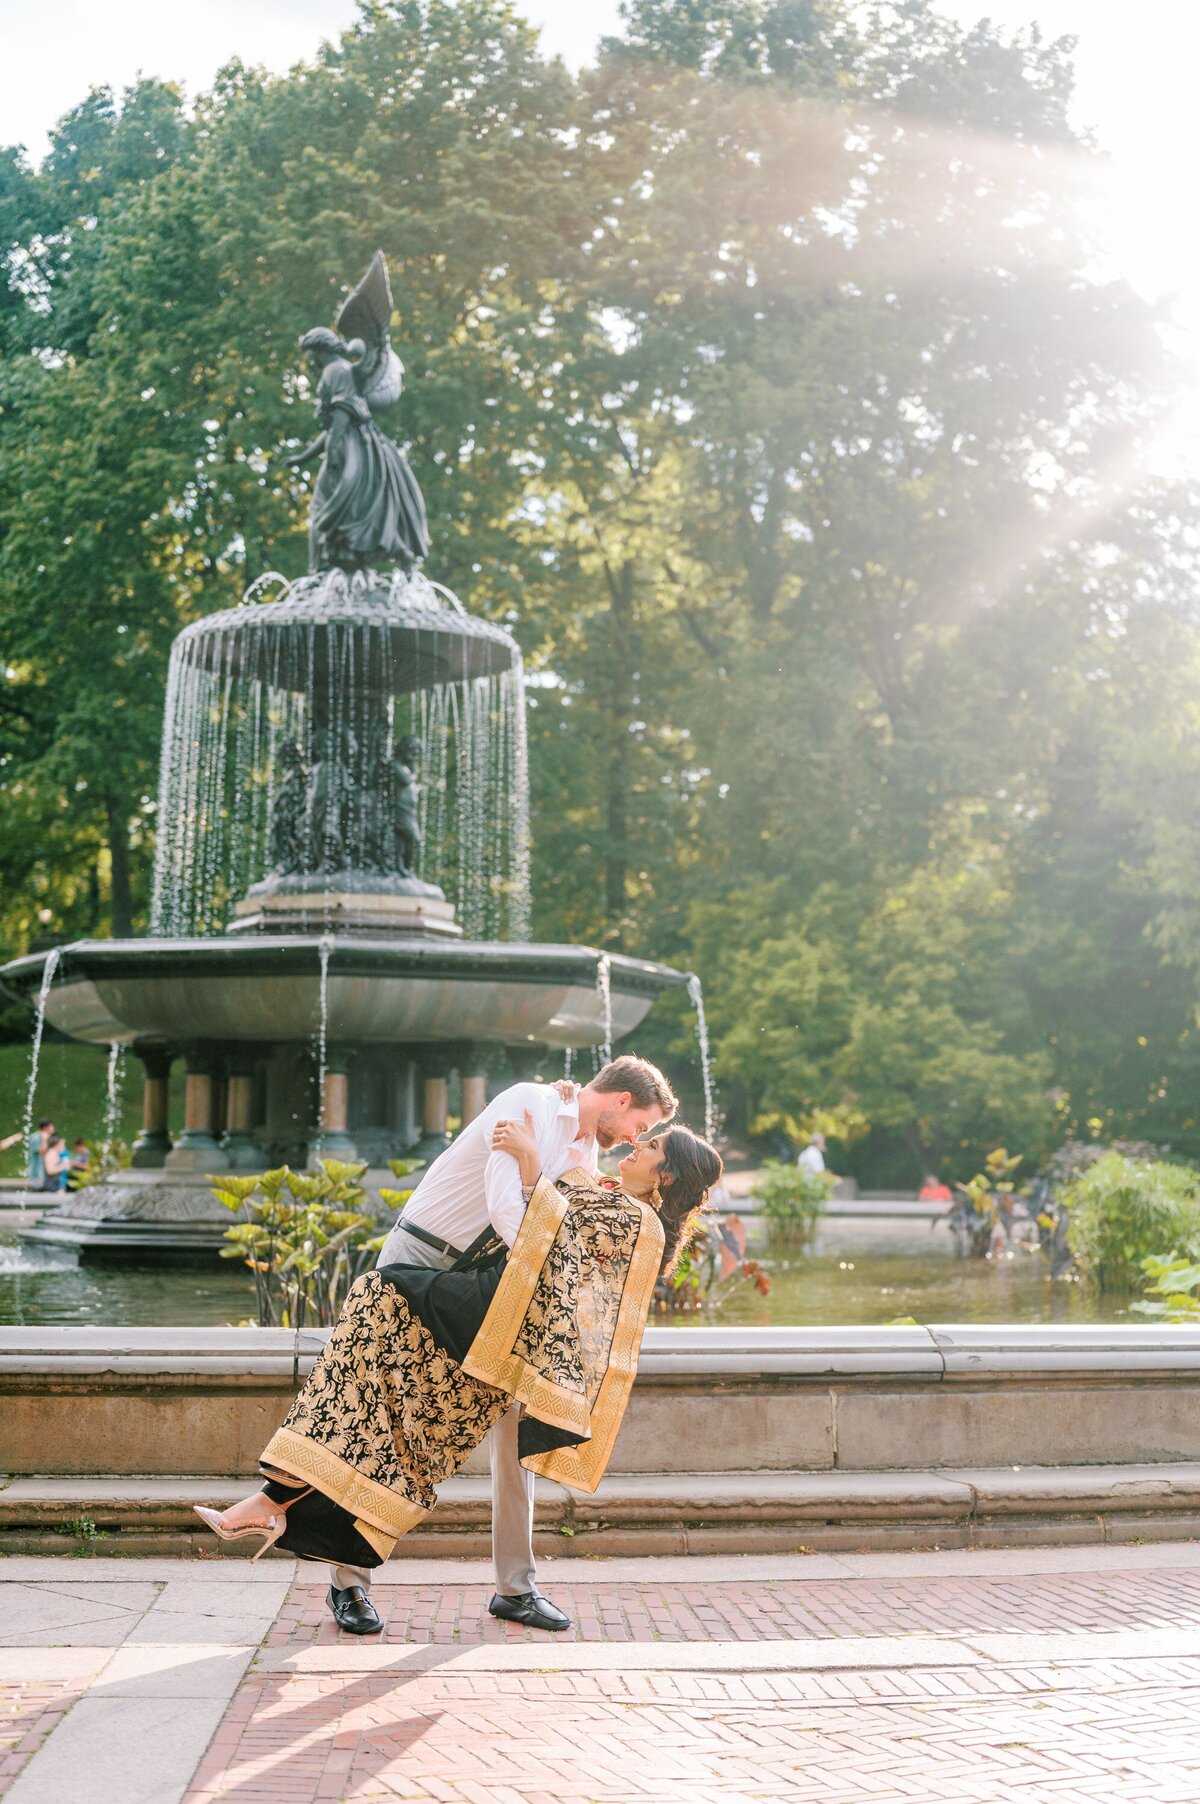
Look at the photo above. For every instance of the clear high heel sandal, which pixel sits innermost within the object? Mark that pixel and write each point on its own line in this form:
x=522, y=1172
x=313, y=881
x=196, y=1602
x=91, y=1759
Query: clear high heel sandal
x=212, y=1519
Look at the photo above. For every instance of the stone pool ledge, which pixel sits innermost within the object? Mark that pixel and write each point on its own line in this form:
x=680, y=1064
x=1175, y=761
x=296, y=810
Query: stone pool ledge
x=738, y=1439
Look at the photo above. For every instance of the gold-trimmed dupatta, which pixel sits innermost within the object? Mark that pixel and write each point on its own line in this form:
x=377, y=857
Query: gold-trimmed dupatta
x=563, y=1331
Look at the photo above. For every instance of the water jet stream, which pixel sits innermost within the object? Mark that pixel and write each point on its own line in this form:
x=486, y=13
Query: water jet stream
x=711, y=1122
x=604, y=991
x=112, y=1101
x=48, y=970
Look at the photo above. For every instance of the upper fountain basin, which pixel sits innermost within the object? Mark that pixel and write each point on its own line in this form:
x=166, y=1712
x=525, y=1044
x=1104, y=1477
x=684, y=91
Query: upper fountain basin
x=415, y=634
x=267, y=988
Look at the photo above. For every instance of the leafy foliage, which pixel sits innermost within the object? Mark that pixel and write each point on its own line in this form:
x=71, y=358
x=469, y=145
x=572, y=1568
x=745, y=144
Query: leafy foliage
x=1173, y=1288
x=711, y=1270
x=86, y=1536
x=1122, y=1211
x=760, y=376
x=984, y=1203
x=793, y=1199
x=302, y=1236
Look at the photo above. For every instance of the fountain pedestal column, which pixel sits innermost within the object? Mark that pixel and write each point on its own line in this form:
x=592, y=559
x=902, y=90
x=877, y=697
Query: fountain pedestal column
x=241, y=1148
x=474, y=1097
x=471, y=1064
x=196, y=1148
x=435, y=1109
x=334, y=1140
x=152, y=1145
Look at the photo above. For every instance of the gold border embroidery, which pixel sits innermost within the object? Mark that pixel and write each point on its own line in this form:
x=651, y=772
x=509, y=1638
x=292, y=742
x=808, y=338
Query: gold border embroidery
x=378, y=1507
x=383, y=1544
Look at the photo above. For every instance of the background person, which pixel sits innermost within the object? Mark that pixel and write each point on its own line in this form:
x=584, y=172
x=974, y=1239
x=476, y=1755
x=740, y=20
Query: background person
x=56, y=1164
x=813, y=1157
x=38, y=1143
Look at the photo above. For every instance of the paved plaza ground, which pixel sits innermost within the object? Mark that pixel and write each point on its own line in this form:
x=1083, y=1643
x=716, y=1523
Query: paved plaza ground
x=1066, y=1675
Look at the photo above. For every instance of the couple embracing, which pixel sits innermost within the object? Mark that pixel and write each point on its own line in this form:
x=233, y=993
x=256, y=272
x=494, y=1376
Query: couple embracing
x=508, y=1303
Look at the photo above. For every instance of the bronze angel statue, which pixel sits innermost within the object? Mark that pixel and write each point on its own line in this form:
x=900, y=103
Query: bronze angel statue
x=366, y=504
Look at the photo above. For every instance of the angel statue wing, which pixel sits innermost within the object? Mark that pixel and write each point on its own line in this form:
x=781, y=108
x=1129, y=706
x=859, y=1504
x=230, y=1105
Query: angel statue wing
x=363, y=321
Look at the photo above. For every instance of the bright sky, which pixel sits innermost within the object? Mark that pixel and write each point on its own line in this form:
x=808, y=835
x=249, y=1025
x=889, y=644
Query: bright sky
x=1136, y=67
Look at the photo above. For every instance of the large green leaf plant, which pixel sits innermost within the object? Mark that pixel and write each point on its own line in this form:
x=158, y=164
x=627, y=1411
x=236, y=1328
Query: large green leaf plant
x=304, y=1237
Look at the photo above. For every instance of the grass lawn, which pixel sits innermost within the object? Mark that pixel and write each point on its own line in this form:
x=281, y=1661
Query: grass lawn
x=72, y=1081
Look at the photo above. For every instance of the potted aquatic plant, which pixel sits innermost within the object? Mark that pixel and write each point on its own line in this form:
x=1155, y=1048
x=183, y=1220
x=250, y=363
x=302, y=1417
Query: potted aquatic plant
x=712, y=1269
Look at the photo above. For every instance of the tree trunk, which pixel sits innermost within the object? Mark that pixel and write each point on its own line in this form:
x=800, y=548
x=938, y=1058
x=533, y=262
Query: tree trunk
x=118, y=847
x=620, y=662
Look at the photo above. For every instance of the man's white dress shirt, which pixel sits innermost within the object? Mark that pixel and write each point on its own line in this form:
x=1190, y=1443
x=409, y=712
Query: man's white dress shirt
x=469, y=1186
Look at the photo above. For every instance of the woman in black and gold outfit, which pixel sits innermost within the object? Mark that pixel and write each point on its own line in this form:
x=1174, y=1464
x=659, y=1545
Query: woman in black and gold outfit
x=422, y=1362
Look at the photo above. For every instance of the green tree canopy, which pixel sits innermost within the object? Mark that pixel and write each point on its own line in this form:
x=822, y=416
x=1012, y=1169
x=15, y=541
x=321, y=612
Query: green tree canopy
x=763, y=378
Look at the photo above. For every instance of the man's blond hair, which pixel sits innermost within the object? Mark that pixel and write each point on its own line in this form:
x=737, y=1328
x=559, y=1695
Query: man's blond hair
x=644, y=1082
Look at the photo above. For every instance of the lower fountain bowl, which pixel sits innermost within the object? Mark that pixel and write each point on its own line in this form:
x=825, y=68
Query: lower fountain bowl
x=266, y=988
x=303, y=1044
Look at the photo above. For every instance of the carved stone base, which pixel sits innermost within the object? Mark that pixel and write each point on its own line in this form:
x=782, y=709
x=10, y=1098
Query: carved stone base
x=195, y=1150
x=334, y=1143
x=346, y=911
x=151, y=1220
x=150, y=1150
x=244, y=1153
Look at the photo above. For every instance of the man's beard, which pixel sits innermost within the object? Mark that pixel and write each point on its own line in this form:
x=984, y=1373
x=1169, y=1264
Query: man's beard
x=609, y=1132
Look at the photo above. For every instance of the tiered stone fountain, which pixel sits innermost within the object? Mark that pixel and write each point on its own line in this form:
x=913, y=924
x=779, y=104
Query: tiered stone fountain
x=341, y=901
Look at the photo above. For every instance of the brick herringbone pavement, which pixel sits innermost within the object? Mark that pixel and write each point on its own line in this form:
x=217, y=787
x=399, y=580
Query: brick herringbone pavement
x=1050, y=1603
x=831, y=1716
x=614, y=1739
x=28, y=1712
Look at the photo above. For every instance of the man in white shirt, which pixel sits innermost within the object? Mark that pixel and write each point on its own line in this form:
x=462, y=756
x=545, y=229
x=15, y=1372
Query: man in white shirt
x=813, y=1156
x=470, y=1192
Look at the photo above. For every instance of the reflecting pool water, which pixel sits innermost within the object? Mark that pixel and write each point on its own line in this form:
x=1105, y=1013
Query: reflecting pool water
x=860, y=1272
x=39, y=1285
x=863, y=1272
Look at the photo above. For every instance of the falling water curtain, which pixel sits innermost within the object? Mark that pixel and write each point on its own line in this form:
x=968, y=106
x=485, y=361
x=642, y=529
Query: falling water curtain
x=422, y=1363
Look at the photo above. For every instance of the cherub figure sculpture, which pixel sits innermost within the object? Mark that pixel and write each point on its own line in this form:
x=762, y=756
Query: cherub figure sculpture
x=392, y=837
x=289, y=813
x=406, y=792
x=365, y=504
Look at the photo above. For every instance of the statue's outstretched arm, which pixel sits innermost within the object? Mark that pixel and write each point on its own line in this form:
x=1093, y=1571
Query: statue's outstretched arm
x=316, y=449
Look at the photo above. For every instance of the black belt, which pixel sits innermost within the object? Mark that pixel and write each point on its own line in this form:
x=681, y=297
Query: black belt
x=431, y=1240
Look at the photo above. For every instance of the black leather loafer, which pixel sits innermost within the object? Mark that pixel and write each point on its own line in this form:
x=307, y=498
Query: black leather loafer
x=354, y=1611
x=534, y=1610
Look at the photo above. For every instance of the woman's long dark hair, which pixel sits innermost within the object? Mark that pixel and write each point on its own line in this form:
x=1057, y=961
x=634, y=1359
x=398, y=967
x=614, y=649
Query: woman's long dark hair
x=693, y=1167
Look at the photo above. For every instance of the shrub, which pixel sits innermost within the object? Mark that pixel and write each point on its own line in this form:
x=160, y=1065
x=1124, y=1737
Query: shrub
x=1123, y=1210
x=793, y=1200
x=303, y=1237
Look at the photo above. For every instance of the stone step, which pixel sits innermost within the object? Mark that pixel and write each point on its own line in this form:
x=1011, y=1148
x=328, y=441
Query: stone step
x=667, y=1513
